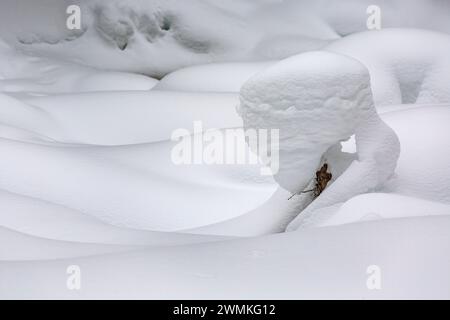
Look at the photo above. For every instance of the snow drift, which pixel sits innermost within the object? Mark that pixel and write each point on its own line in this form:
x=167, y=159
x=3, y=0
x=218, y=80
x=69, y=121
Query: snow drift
x=20, y=73
x=85, y=171
x=405, y=65
x=214, y=77
x=320, y=263
x=160, y=36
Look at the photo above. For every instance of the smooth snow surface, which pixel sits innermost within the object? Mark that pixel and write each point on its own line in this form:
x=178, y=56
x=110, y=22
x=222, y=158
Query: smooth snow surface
x=424, y=165
x=317, y=263
x=406, y=65
x=135, y=117
x=218, y=77
x=378, y=206
x=21, y=73
x=133, y=186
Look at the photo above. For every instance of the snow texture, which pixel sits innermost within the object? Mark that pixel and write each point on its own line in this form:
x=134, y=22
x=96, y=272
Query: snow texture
x=312, y=119
x=160, y=36
x=86, y=176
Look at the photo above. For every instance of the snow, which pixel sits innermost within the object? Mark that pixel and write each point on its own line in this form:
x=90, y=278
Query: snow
x=86, y=126
x=419, y=185
x=139, y=180
x=20, y=73
x=134, y=117
x=272, y=216
x=320, y=263
x=214, y=77
x=160, y=36
x=379, y=206
x=45, y=220
x=313, y=120
x=406, y=65
x=424, y=165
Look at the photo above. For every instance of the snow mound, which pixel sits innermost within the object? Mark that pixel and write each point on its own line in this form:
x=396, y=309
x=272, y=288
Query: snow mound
x=135, y=186
x=134, y=117
x=33, y=248
x=87, y=177
x=20, y=73
x=314, y=120
x=271, y=217
x=44, y=220
x=54, y=147
x=419, y=186
x=423, y=169
x=215, y=77
x=25, y=122
x=159, y=36
x=310, y=119
x=377, y=206
x=405, y=65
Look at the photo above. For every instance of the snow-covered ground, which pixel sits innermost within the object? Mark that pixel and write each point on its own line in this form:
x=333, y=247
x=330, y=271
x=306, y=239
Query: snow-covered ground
x=87, y=170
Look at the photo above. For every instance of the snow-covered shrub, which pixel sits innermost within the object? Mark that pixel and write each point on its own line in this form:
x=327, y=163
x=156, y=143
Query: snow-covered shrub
x=317, y=100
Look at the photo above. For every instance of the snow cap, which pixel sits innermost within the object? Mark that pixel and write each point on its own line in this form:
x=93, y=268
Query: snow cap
x=315, y=99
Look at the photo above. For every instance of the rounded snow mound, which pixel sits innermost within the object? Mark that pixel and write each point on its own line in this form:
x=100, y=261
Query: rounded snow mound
x=213, y=77
x=405, y=65
x=21, y=73
x=315, y=99
x=424, y=165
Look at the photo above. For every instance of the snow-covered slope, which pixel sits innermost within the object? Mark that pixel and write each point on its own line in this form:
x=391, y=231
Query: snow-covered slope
x=317, y=263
